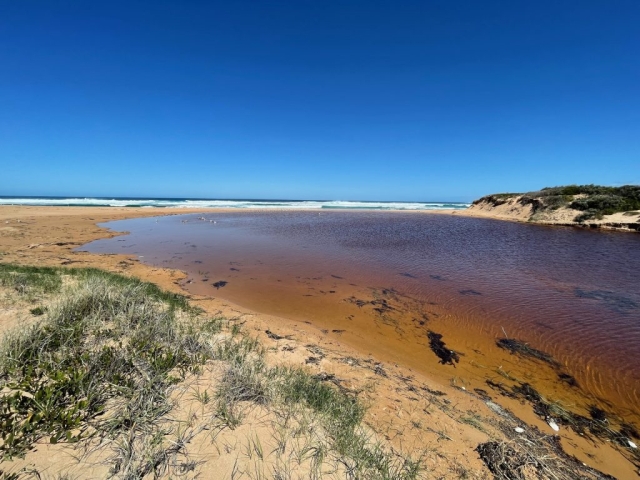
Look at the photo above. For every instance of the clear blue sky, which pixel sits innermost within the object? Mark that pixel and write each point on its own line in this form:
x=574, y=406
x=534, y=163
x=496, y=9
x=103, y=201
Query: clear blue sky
x=404, y=100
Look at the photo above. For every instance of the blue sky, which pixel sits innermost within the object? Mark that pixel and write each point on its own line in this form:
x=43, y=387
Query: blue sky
x=370, y=100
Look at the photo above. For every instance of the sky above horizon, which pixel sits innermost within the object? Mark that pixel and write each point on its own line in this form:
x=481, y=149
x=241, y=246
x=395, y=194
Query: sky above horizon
x=351, y=100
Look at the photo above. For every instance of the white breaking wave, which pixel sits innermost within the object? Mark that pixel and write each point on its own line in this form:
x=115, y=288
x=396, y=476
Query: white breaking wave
x=258, y=204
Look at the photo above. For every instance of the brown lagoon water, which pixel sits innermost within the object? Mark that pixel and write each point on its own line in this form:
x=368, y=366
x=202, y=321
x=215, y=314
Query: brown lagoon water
x=381, y=279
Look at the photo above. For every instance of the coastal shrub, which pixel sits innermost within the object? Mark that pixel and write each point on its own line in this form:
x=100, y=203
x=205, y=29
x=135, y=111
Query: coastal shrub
x=602, y=203
x=573, y=190
x=496, y=199
x=557, y=201
x=590, y=214
x=594, y=201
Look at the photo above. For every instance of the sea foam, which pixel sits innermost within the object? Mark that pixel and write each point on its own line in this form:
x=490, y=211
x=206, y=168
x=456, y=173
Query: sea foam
x=240, y=204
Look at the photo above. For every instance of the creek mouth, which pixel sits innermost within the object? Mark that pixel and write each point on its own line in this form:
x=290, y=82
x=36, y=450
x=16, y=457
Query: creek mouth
x=382, y=281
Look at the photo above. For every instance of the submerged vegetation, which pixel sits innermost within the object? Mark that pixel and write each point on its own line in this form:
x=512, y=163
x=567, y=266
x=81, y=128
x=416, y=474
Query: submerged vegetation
x=446, y=355
x=525, y=350
x=595, y=424
x=102, y=364
x=592, y=201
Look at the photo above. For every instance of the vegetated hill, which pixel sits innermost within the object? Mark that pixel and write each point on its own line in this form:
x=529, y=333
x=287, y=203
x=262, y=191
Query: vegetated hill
x=580, y=204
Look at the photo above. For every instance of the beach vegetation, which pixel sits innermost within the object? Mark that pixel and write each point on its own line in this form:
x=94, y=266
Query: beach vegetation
x=102, y=341
x=30, y=280
x=592, y=201
x=106, y=354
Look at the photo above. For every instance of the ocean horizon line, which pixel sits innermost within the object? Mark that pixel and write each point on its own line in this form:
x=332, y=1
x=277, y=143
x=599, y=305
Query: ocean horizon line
x=159, y=202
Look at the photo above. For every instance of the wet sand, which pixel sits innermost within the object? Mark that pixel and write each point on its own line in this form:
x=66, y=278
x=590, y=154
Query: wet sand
x=47, y=236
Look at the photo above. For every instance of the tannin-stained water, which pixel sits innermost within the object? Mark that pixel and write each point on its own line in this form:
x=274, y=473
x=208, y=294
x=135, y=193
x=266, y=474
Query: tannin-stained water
x=572, y=293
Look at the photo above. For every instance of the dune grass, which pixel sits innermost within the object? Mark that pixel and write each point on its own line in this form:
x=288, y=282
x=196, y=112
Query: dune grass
x=100, y=362
x=102, y=341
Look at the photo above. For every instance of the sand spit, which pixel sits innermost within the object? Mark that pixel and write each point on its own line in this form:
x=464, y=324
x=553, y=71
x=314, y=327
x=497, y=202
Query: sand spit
x=455, y=431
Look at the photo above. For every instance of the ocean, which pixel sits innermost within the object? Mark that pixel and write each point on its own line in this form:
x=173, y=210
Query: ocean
x=218, y=203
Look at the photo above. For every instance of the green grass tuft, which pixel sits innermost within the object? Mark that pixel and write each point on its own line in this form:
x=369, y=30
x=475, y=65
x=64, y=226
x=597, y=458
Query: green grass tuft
x=103, y=340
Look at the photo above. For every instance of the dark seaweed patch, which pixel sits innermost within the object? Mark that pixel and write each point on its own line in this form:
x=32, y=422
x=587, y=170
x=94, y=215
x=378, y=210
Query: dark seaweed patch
x=381, y=306
x=469, y=292
x=219, y=284
x=408, y=275
x=325, y=377
x=482, y=393
x=502, y=460
x=446, y=356
x=523, y=349
x=611, y=300
x=533, y=455
x=378, y=370
x=568, y=379
x=598, y=425
x=438, y=277
x=275, y=336
x=437, y=393
x=629, y=431
x=356, y=301
x=597, y=413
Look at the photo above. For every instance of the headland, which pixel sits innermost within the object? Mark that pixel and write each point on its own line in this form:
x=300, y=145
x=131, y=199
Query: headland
x=585, y=206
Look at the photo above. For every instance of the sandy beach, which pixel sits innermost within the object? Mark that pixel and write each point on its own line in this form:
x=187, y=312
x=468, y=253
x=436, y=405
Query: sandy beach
x=399, y=392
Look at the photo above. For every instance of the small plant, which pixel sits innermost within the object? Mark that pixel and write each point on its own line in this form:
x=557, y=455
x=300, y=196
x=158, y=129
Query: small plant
x=203, y=397
x=38, y=311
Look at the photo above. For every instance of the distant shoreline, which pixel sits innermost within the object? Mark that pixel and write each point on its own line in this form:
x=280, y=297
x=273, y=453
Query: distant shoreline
x=506, y=207
x=240, y=204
